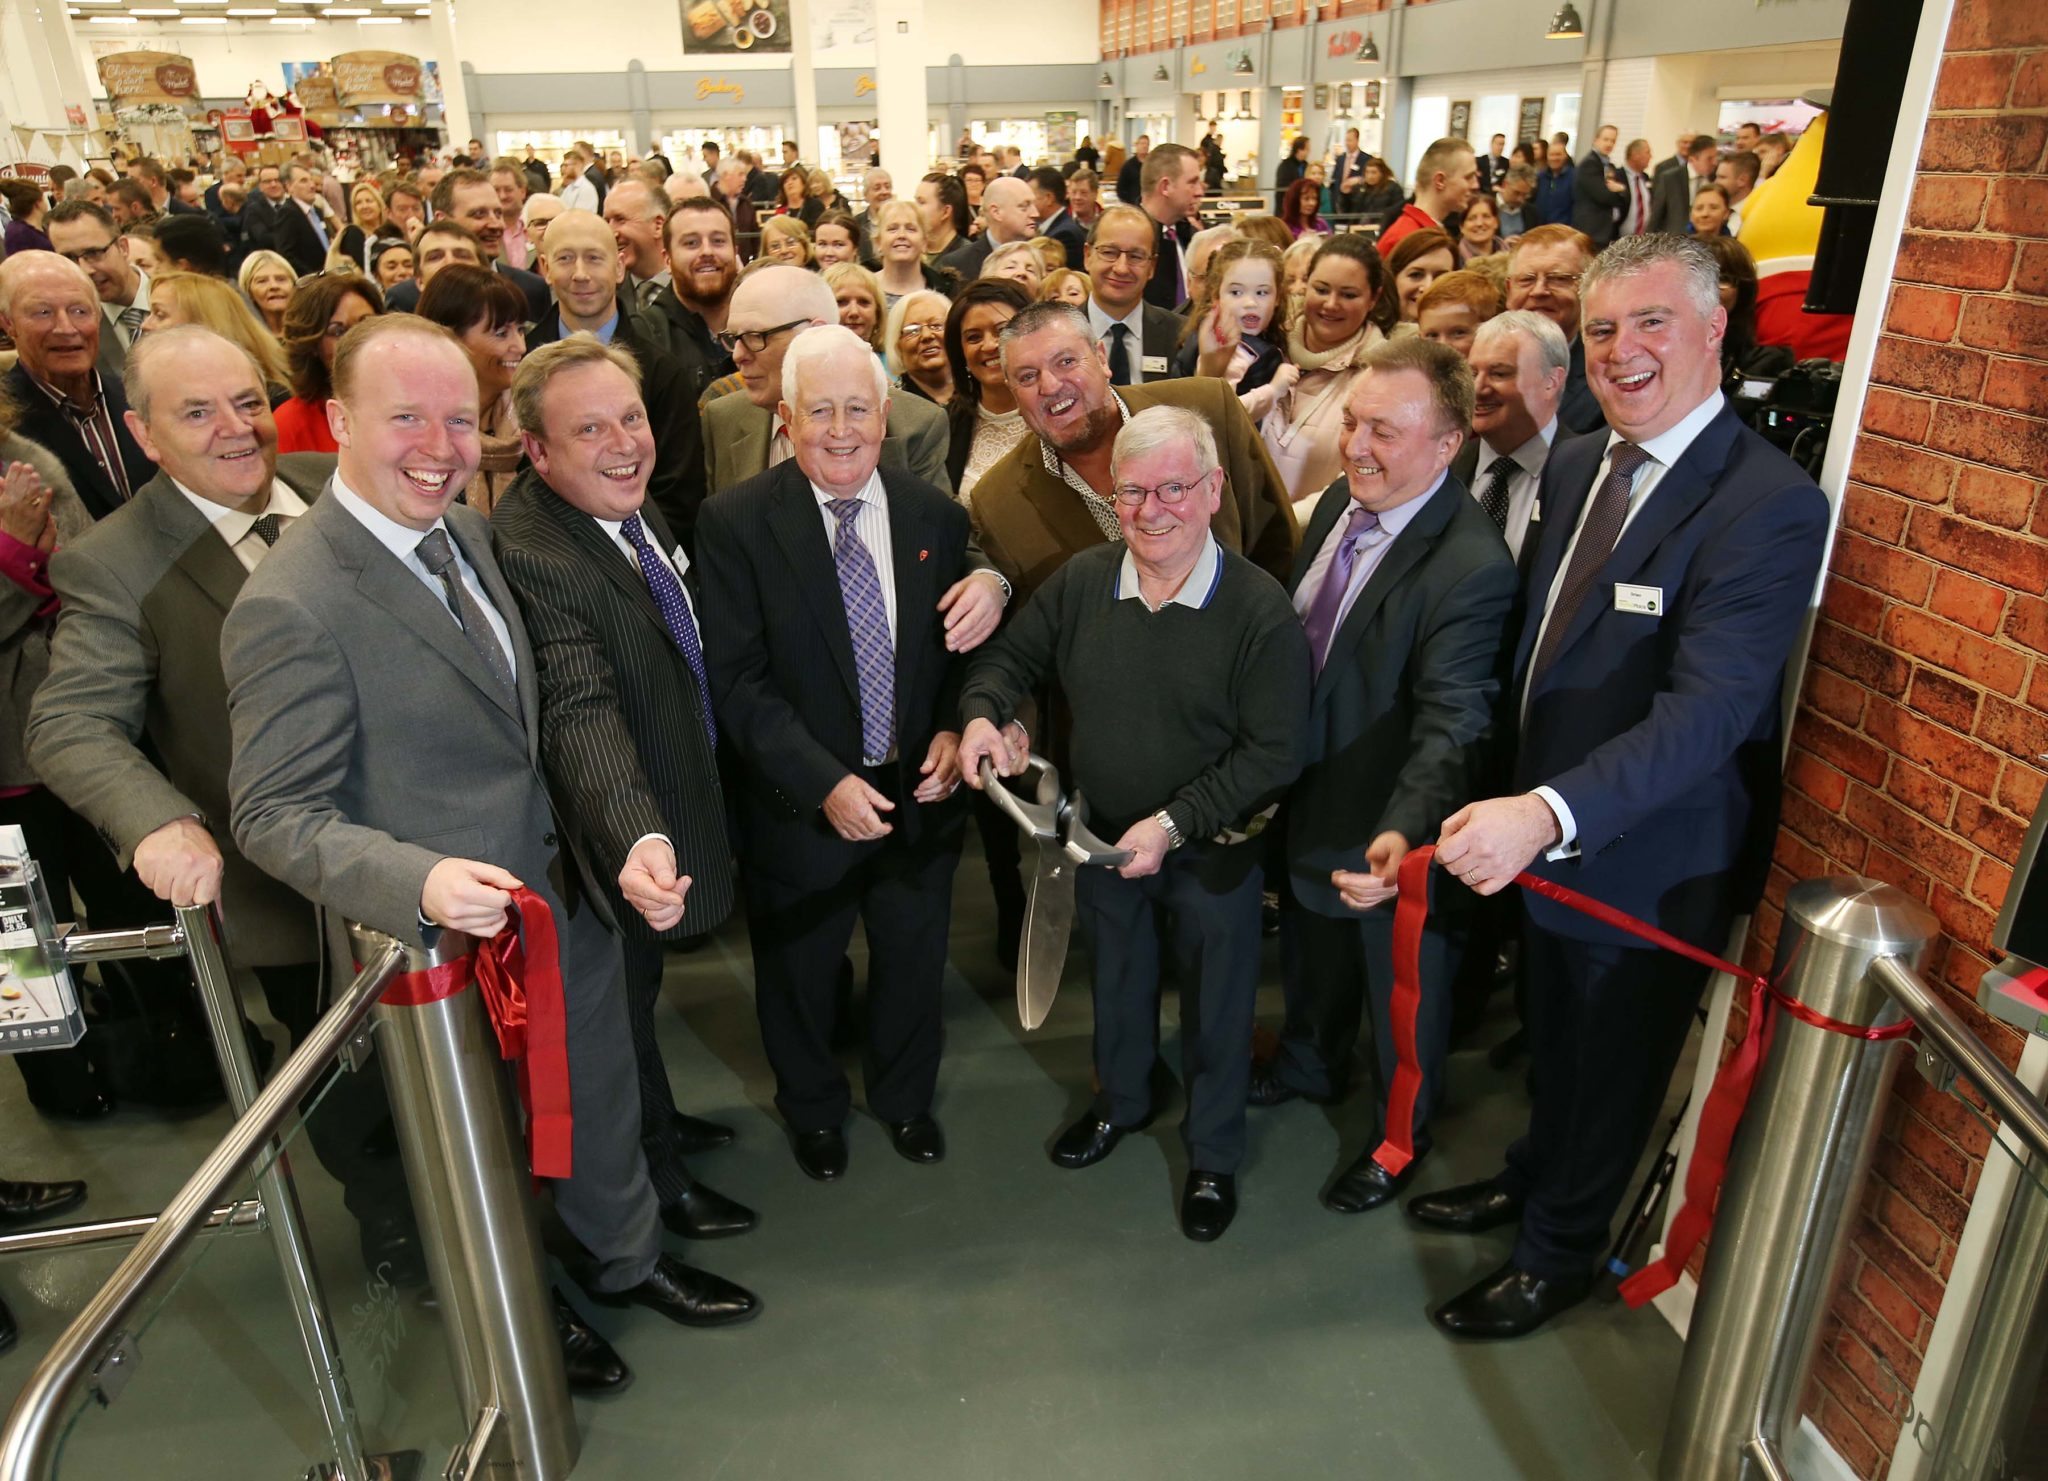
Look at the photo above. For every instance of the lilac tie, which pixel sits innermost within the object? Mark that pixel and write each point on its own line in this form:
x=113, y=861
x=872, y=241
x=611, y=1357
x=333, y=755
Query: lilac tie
x=1321, y=621
x=669, y=600
x=867, y=620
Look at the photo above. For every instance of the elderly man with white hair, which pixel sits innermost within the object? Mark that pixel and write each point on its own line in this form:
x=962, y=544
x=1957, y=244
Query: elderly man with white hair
x=835, y=691
x=1186, y=679
x=1519, y=362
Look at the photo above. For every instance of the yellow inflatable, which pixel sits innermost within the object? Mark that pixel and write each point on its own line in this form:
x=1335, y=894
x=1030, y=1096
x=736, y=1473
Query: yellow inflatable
x=1782, y=232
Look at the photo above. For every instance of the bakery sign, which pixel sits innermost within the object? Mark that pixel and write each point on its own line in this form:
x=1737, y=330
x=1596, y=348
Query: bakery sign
x=133, y=78
x=365, y=77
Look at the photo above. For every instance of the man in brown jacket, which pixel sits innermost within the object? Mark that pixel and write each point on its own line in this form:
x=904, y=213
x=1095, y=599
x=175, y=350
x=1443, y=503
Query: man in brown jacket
x=1049, y=498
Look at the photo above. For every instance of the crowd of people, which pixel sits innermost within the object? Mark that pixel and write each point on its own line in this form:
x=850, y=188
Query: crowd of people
x=720, y=534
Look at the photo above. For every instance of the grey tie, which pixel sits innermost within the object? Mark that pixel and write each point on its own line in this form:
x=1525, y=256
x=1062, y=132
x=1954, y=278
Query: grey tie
x=649, y=291
x=130, y=319
x=438, y=556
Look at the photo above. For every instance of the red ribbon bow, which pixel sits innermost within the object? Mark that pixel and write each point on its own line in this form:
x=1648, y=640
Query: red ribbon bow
x=522, y=993
x=1719, y=1116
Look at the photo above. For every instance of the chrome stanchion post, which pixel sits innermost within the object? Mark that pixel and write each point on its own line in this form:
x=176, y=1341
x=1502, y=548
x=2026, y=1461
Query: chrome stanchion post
x=1794, y=1175
x=467, y=1166
x=200, y=927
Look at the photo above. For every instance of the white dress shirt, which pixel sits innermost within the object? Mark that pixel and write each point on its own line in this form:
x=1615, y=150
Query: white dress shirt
x=578, y=194
x=1372, y=550
x=1637, y=216
x=236, y=526
x=1099, y=323
x=1196, y=591
x=1664, y=449
x=403, y=542
x=872, y=525
x=1530, y=457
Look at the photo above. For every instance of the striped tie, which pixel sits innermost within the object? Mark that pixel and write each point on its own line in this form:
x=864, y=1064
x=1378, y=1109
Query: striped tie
x=867, y=620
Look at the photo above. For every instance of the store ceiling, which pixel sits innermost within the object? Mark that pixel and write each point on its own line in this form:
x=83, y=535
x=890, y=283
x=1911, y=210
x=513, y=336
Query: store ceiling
x=113, y=16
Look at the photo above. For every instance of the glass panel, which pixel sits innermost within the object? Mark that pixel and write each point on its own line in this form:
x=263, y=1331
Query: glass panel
x=220, y=1382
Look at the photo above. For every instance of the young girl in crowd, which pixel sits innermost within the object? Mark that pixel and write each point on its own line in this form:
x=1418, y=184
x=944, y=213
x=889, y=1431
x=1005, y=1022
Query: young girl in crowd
x=1236, y=329
x=1294, y=274
x=859, y=296
x=836, y=239
x=1068, y=285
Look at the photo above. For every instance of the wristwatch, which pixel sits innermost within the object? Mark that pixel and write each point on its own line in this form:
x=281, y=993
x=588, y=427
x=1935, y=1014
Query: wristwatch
x=1165, y=820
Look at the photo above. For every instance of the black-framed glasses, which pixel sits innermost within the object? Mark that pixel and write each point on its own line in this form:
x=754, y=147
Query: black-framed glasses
x=90, y=257
x=756, y=340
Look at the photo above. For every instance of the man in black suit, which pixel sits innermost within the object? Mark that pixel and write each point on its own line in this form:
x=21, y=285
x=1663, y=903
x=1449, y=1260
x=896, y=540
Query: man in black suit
x=699, y=243
x=1493, y=165
x=1678, y=556
x=1347, y=172
x=838, y=698
x=1671, y=194
x=1599, y=193
x=1049, y=200
x=1137, y=336
x=443, y=242
x=626, y=732
x=1129, y=179
x=581, y=259
x=469, y=197
x=297, y=229
x=1519, y=361
x=49, y=308
x=1544, y=269
x=1404, y=590
x=1171, y=187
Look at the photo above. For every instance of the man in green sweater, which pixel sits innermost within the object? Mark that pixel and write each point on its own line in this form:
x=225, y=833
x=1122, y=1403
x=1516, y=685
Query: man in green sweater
x=1187, y=679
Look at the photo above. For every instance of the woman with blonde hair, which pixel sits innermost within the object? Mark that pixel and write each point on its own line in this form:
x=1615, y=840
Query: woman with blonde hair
x=1294, y=263
x=267, y=280
x=787, y=239
x=1113, y=156
x=915, y=345
x=860, y=300
x=200, y=298
x=1068, y=285
x=1052, y=254
x=1018, y=261
x=900, y=243
x=1264, y=226
x=357, y=243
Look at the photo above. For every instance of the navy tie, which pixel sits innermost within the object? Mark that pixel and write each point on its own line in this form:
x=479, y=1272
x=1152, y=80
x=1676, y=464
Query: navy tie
x=669, y=600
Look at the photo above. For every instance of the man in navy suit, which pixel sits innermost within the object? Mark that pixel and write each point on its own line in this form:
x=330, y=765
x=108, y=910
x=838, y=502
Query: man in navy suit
x=1678, y=554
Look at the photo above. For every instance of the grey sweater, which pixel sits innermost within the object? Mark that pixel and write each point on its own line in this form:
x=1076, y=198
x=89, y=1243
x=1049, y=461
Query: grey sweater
x=1199, y=712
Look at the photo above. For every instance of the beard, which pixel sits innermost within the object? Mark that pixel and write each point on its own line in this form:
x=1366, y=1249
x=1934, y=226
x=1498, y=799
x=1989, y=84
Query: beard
x=1100, y=425
x=696, y=292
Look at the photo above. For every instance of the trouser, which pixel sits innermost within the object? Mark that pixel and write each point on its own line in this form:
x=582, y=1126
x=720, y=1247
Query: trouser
x=1213, y=930
x=607, y=1201
x=1332, y=968
x=902, y=895
x=347, y=1113
x=658, y=1138
x=1606, y=1027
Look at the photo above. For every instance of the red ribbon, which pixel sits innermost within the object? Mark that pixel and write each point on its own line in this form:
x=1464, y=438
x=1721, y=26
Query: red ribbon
x=522, y=993
x=1719, y=1116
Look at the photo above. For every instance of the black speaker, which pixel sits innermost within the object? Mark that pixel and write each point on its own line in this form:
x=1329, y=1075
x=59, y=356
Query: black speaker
x=1870, y=80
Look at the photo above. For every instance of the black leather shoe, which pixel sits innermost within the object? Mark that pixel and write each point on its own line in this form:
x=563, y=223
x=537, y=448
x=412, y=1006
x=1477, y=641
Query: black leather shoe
x=696, y=1298
x=821, y=1154
x=24, y=1203
x=705, y=1213
x=391, y=1249
x=1366, y=1185
x=694, y=1134
x=918, y=1139
x=1511, y=1302
x=1087, y=1142
x=1207, y=1205
x=1471, y=1208
x=1268, y=1089
x=592, y=1364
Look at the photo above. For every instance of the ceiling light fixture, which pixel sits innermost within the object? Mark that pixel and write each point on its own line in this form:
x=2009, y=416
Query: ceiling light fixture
x=1565, y=25
x=1160, y=74
x=1105, y=80
x=1369, y=49
x=115, y=20
x=1244, y=66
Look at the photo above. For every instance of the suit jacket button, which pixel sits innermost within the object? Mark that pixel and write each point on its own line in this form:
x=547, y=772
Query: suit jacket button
x=548, y=841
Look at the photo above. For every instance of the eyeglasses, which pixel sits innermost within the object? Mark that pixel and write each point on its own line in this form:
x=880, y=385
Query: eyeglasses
x=913, y=332
x=756, y=340
x=90, y=257
x=1559, y=281
x=1114, y=255
x=1172, y=495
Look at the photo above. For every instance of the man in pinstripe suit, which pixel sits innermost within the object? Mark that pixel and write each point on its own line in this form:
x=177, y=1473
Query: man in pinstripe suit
x=626, y=733
x=838, y=696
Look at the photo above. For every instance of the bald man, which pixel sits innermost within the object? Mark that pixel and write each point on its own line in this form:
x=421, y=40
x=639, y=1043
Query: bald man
x=1009, y=213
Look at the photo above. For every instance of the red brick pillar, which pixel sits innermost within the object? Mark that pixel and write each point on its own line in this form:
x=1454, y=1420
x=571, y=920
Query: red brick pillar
x=1924, y=714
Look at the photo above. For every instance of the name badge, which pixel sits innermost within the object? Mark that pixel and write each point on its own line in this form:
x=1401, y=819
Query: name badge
x=1648, y=600
x=1154, y=364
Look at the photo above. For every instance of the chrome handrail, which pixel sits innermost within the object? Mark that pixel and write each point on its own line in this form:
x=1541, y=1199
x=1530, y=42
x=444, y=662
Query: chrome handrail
x=2016, y=1106
x=32, y=1426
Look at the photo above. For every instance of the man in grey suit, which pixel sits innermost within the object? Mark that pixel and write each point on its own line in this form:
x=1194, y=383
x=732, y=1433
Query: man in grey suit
x=1404, y=589
x=626, y=732
x=135, y=664
x=384, y=703
x=743, y=436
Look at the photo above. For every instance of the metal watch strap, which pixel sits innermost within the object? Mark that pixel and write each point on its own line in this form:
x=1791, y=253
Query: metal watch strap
x=1173, y=835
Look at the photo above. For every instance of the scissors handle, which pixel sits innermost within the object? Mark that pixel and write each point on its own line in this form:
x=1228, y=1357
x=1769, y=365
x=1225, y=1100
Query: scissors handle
x=1038, y=819
x=1083, y=847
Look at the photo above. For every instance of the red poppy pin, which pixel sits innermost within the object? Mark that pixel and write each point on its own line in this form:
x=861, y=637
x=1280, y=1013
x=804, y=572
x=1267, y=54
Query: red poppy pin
x=923, y=554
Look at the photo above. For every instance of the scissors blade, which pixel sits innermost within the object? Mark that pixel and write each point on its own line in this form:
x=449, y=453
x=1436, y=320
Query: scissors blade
x=1048, y=922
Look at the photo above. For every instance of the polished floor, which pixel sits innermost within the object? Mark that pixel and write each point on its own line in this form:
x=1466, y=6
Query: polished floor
x=990, y=1319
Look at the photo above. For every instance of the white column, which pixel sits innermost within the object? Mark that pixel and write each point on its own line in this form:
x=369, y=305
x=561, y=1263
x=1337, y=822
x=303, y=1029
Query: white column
x=902, y=104
x=43, y=72
x=803, y=82
x=456, y=124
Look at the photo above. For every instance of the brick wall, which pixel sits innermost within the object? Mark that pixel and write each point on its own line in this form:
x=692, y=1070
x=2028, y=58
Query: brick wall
x=1916, y=753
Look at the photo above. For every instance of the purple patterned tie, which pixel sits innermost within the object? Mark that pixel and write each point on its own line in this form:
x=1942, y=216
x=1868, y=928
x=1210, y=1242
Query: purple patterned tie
x=1321, y=621
x=867, y=620
x=669, y=600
